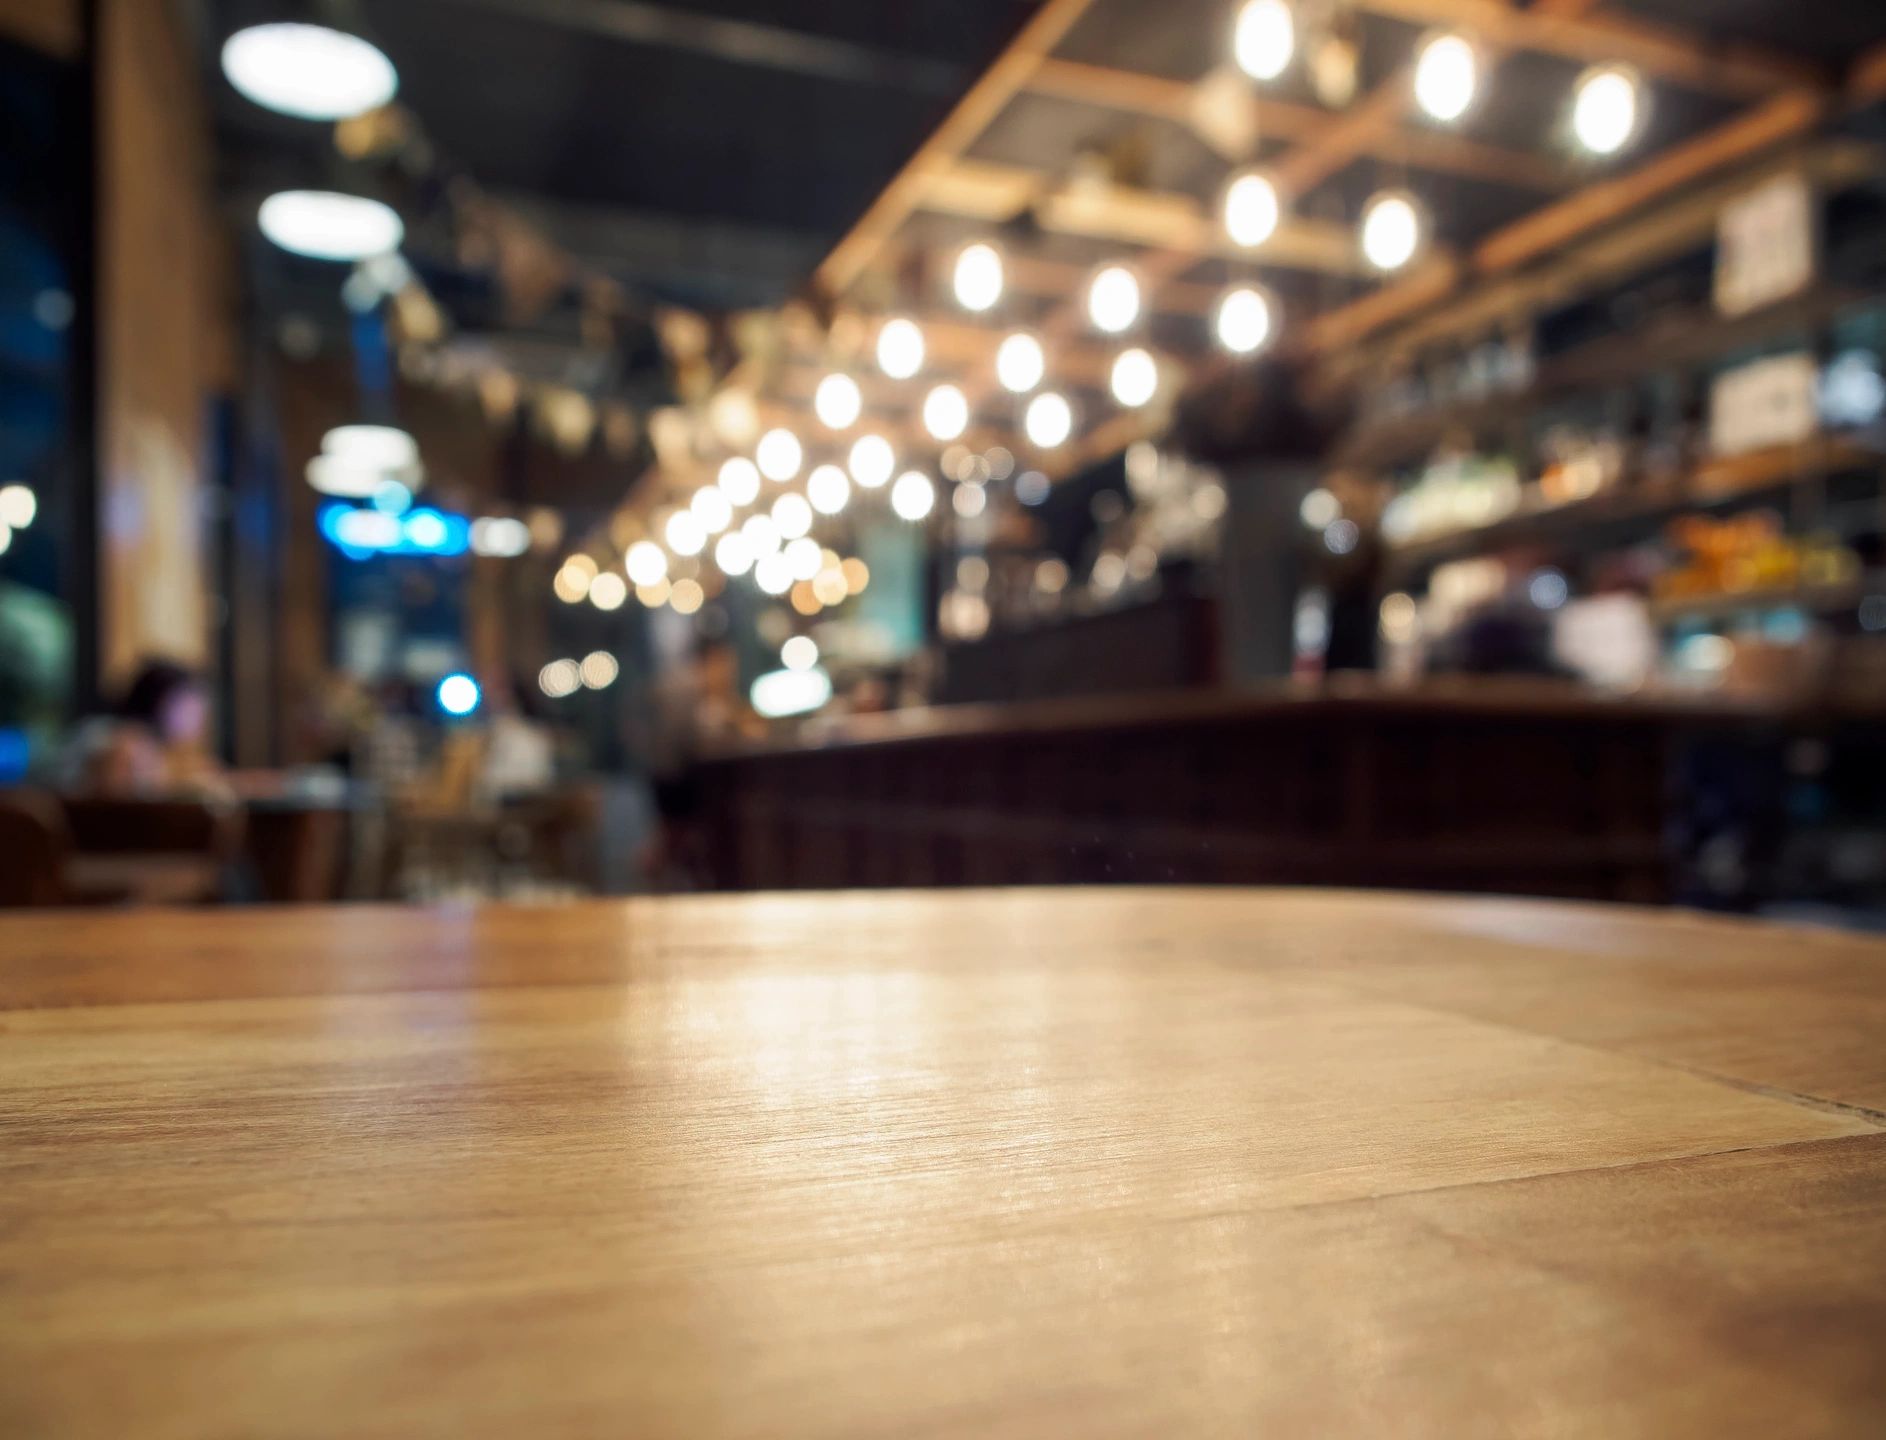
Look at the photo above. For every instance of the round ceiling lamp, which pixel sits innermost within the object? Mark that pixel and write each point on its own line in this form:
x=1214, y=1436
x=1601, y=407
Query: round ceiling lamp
x=872, y=461
x=1244, y=320
x=324, y=225
x=837, y=402
x=978, y=277
x=1135, y=378
x=1019, y=363
x=1265, y=38
x=1607, y=109
x=779, y=455
x=308, y=71
x=1392, y=229
x=1048, y=421
x=1446, y=77
x=1113, y=299
x=900, y=348
x=913, y=496
x=1251, y=208
x=945, y=412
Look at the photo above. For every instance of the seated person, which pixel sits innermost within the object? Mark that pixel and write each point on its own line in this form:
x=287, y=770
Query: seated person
x=152, y=743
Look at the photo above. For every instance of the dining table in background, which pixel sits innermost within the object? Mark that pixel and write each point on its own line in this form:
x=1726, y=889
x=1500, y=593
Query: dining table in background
x=1115, y=1162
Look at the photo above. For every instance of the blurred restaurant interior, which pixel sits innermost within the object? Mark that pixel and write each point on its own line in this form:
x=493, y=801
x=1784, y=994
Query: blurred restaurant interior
x=543, y=448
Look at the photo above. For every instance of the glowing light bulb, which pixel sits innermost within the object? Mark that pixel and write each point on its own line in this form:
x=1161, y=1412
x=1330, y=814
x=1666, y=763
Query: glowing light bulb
x=323, y=225
x=308, y=71
x=1113, y=299
x=792, y=517
x=712, y=508
x=18, y=506
x=779, y=455
x=1265, y=39
x=872, y=460
x=1243, y=322
x=804, y=557
x=685, y=533
x=827, y=489
x=1446, y=77
x=598, y=670
x=837, y=402
x=799, y=653
x=1135, y=378
x=739, y=480
x=1251, y=208
x=1391, y=230
x=733, y=553
x=1606, y=109
x=1019, y=363
x=608, y=590
x=945, y=412
x=978, y=277
x=646, y=563
x=1048, y=421
x=458, y=694
x=761, y=533
x=900, y=348
x=913, y=495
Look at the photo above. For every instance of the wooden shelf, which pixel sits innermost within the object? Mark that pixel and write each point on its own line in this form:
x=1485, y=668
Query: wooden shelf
x=1709, y=484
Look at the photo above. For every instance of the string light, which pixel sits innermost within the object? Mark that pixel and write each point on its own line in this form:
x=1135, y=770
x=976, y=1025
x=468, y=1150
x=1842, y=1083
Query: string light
x=804, y=558
x=1606, y=109
x=837, y=402
x=559, y=678
x=913, y=495
x=857, y=575
x=779, y=455
x=1135, y=378
x=1113, y=299
x=712, y=508
x=1251, y=208
x=1265, y=39
x=945, y=412
x=1391, y=230
x=792, y=517
x=772, y=574
x=1020, y=363
x=871, y=461
x=740, y=480
x=978, y=277
x=1446, y=77
x=900, y=348
x=608, y=590
x=685, y=534
x=762, y=534
x=1244, y=320
x=733, y=553
x=598, y=670
x=646, y=563
x=686, y=597
x=1049, y=420
x=969, y=501
x=828, y=489
x=799, y=653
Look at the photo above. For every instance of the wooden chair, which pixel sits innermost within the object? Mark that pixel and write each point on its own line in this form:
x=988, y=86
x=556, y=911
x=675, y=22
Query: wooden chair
x=36, y=846
x=151, y=851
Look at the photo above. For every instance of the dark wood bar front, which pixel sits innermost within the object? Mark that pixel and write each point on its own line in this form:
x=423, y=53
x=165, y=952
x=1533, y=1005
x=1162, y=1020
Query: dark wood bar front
x=1473, y=788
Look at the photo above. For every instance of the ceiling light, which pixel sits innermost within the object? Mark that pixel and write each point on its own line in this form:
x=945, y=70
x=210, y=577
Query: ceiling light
x=598, y=670
x=1251, y=208
x=733, y=553
x=799, y=653
x=978, y=277
x=792, y=517
x=913, y=495
x=1265, y=39
x=1391, y=230
x=499, y=535
x=900, y=348
x=739, y=480
x=1606, y=109
x=779, y=455
x=646, y=563
x=608, y=590
x=1049, y=421
x=686, y=597
x=761, y=533
x=308, y=71
x=772, y=574
x=945, y=412
x=1446, y=77
x=18, y=506
x=713, y=509
x=376, y=447
x=1135, y=378
x=872, y=461
x=685, y=533
x=1019, y=363
x=828, y=489
x=1244, y=320
x=331, y=475
x=804, y=557
x=324, y=225
x=837, y=402
x=559, y=678
x=1113, y=299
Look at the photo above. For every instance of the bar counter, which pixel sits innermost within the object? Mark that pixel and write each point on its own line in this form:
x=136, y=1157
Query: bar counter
x=1117, y=1162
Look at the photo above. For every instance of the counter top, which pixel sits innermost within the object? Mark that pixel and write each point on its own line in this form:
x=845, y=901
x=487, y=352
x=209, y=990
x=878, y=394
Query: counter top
x=995, y=1163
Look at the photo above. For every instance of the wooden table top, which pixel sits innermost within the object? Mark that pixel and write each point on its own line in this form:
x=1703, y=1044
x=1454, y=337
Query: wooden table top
x=1078, y=1163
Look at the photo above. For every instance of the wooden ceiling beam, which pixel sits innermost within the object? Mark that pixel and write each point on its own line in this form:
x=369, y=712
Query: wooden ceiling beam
x=1176, y=101
x=1659, y=51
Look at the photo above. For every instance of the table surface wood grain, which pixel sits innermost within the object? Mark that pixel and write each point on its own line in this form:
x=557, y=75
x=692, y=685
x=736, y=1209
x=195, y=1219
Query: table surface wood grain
x=1006, y=1163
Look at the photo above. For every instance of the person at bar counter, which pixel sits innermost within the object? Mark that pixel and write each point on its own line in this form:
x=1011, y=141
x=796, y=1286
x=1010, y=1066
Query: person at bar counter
x=154, y=740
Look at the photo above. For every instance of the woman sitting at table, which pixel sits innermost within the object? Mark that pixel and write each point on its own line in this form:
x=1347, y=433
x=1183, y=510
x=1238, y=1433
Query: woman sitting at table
x=154, y=741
